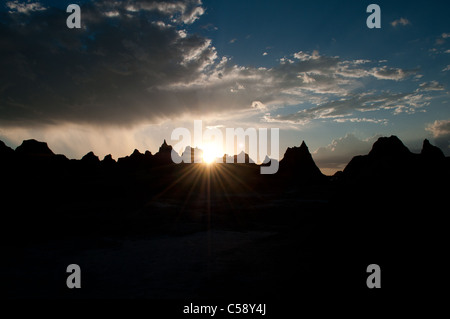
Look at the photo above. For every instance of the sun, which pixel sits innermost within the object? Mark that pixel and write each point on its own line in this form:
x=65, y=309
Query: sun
x=210, y=153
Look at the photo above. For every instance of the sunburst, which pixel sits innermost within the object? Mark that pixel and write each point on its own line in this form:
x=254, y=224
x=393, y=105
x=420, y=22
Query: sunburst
x=211, y=152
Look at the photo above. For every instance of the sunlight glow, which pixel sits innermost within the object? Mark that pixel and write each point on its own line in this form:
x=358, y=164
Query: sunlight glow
x=210, y=153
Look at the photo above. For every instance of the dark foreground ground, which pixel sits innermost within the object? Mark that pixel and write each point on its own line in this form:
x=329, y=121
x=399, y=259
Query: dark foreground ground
x=223, y=232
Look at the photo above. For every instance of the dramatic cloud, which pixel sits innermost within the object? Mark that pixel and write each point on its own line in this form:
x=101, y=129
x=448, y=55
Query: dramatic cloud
x=439, y=128
x=107, y=72
x=447, y=68
x=401, y=21
x=135, y=62
x=441, y=133
x=339, y=110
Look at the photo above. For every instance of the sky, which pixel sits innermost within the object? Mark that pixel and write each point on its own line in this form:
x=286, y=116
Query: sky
x=138, y=69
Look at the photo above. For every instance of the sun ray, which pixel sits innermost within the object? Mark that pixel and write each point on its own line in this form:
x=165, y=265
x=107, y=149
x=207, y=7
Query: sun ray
x=219, y=177
x=190, y=169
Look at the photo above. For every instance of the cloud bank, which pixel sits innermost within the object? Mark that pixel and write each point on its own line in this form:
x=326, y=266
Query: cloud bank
x=401, y=21
x=440, y=130
x=134, y=62
x=340, y=151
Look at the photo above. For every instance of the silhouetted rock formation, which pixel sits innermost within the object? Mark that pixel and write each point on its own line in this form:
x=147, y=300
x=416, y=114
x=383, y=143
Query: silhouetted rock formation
x=165, y=148
x=32, y=151
x=243, y=157
x=60, y=158
x=391, y=160
x=5, y=151
x=336, y=177
x=108, y=159
x=192, y=155
x=387, y=156
x=137, y=160
x=268, y=161
x=90, y=158
x=227, y=158
x=136, y=154
x=431, y=152
x=298, y=164
x=164, y=155
x=138, y=157
x=33, y=148
x=389, y=147
x=7, y=157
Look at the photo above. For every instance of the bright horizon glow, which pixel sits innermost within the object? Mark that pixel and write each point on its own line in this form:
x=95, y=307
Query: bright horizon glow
x=211, y=152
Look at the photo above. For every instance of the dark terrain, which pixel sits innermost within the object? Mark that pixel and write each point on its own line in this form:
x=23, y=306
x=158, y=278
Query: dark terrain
x=143, y=227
